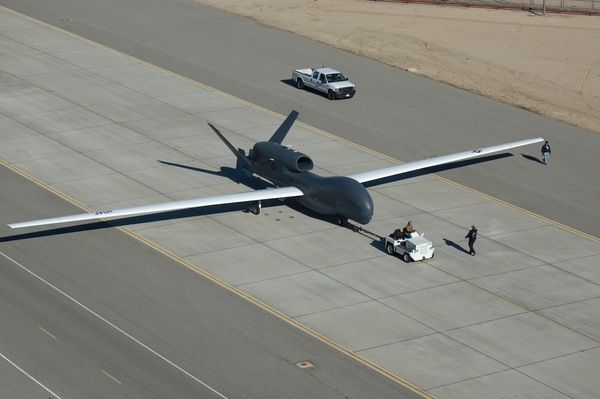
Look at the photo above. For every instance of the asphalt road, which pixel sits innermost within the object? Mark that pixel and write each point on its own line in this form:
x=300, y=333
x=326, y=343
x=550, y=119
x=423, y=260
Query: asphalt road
x=114, y=318
x=395, y=113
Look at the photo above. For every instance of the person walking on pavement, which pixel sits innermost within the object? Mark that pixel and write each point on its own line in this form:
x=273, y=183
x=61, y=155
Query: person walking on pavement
x=472, y=236
x=546, y=151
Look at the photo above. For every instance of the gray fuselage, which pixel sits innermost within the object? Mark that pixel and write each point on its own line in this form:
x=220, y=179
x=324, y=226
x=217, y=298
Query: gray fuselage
x=328, y=195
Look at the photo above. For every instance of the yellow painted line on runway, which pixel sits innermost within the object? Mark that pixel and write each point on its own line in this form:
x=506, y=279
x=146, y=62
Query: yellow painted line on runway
x=390, y=375
x=280, y=315
x=216, y=279
x=111, y=377
x=314, y=129
x=191, y=266
x=48, y=333
x=40, y=183
x=137, y=60
x=521, y=210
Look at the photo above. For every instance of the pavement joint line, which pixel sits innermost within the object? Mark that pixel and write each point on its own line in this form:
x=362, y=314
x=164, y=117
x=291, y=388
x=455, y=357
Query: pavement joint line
x=316, y=130
x=524, y=211
x=48, y=187
x=518, y=305
x=388, y=374
x=282, y=316
x=137, y=60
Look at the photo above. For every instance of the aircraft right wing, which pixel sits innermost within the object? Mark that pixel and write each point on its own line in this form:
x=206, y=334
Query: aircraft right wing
x=368, y=176
x=251, y=196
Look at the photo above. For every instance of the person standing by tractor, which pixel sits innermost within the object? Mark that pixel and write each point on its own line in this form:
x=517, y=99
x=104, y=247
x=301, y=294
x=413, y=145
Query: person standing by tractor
x=472, y=236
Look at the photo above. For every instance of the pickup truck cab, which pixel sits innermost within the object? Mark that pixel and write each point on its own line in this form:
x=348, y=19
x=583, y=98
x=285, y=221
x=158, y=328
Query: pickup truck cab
x=413, y=248
x=326, y=80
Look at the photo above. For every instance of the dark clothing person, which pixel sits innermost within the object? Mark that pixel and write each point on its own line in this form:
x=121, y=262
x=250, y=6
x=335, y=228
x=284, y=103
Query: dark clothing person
x=472, y=236
x=546, y=151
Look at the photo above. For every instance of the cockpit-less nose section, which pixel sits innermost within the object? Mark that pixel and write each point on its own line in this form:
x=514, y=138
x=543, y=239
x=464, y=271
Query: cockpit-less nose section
x=290, y=171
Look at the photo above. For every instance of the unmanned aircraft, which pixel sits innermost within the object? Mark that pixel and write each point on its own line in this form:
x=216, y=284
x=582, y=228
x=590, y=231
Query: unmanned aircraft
x=344, y=197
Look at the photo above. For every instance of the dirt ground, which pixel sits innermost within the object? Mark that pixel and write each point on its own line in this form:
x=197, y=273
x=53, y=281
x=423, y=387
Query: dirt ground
x=546, y=64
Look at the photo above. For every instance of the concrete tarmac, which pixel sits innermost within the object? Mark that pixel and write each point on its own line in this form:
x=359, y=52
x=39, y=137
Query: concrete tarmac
x=395, y=113
x=90, y=312
x=104, y=130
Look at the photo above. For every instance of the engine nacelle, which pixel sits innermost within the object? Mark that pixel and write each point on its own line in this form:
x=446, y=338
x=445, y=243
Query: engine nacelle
x=296, y=161
x=281, y=157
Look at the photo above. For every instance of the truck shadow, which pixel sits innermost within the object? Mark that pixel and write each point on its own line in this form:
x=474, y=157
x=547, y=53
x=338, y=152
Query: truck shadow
x=289, y=82
x=292, y=83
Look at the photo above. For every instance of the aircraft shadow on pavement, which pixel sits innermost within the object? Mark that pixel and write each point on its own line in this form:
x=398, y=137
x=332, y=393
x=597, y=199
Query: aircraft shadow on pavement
x=141, y=219
x=238, y=176
x=438, y=168
x=235, y=174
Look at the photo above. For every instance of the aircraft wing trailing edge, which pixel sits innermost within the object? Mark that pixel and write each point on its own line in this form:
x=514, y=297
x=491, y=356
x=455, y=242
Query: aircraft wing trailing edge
x=251, y=196
x=376, y=174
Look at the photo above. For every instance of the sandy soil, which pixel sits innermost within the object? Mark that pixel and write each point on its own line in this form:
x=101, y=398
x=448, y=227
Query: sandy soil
x=546, y=64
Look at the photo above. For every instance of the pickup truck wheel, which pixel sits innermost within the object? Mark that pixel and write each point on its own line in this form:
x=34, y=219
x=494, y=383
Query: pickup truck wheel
x=330, y=95
x=406, y=257
x=300, y=84
x=389, y=249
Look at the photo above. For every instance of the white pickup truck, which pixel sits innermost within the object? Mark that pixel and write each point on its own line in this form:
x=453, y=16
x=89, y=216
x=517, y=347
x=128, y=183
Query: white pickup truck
x=326, y=80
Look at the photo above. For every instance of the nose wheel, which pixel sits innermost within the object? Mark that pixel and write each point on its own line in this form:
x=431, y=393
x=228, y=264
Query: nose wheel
x=341, y=221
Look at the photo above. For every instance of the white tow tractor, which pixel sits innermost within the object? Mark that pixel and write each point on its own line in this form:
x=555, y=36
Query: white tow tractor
x=412, y=248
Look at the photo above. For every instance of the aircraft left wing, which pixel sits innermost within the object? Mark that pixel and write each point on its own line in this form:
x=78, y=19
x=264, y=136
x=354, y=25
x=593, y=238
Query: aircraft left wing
x=251, y=196
x=368, y=176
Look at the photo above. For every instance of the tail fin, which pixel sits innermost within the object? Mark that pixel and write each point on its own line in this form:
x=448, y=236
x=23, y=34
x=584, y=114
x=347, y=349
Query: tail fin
x=239, y=155
x=285, y=127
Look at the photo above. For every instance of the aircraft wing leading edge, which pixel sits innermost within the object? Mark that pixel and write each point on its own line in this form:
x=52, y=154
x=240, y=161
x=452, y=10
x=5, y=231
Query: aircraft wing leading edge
x=251, y=196
x=376, y=174
x=275, y=193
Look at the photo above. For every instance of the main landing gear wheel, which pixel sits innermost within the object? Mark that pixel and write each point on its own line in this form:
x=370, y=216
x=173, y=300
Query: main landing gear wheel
x=389, y=249
x=256, y=208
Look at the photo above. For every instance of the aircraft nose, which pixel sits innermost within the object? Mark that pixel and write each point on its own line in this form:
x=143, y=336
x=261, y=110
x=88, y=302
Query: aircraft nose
x=365, y=211
x=360, y=207
x=365, y=220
